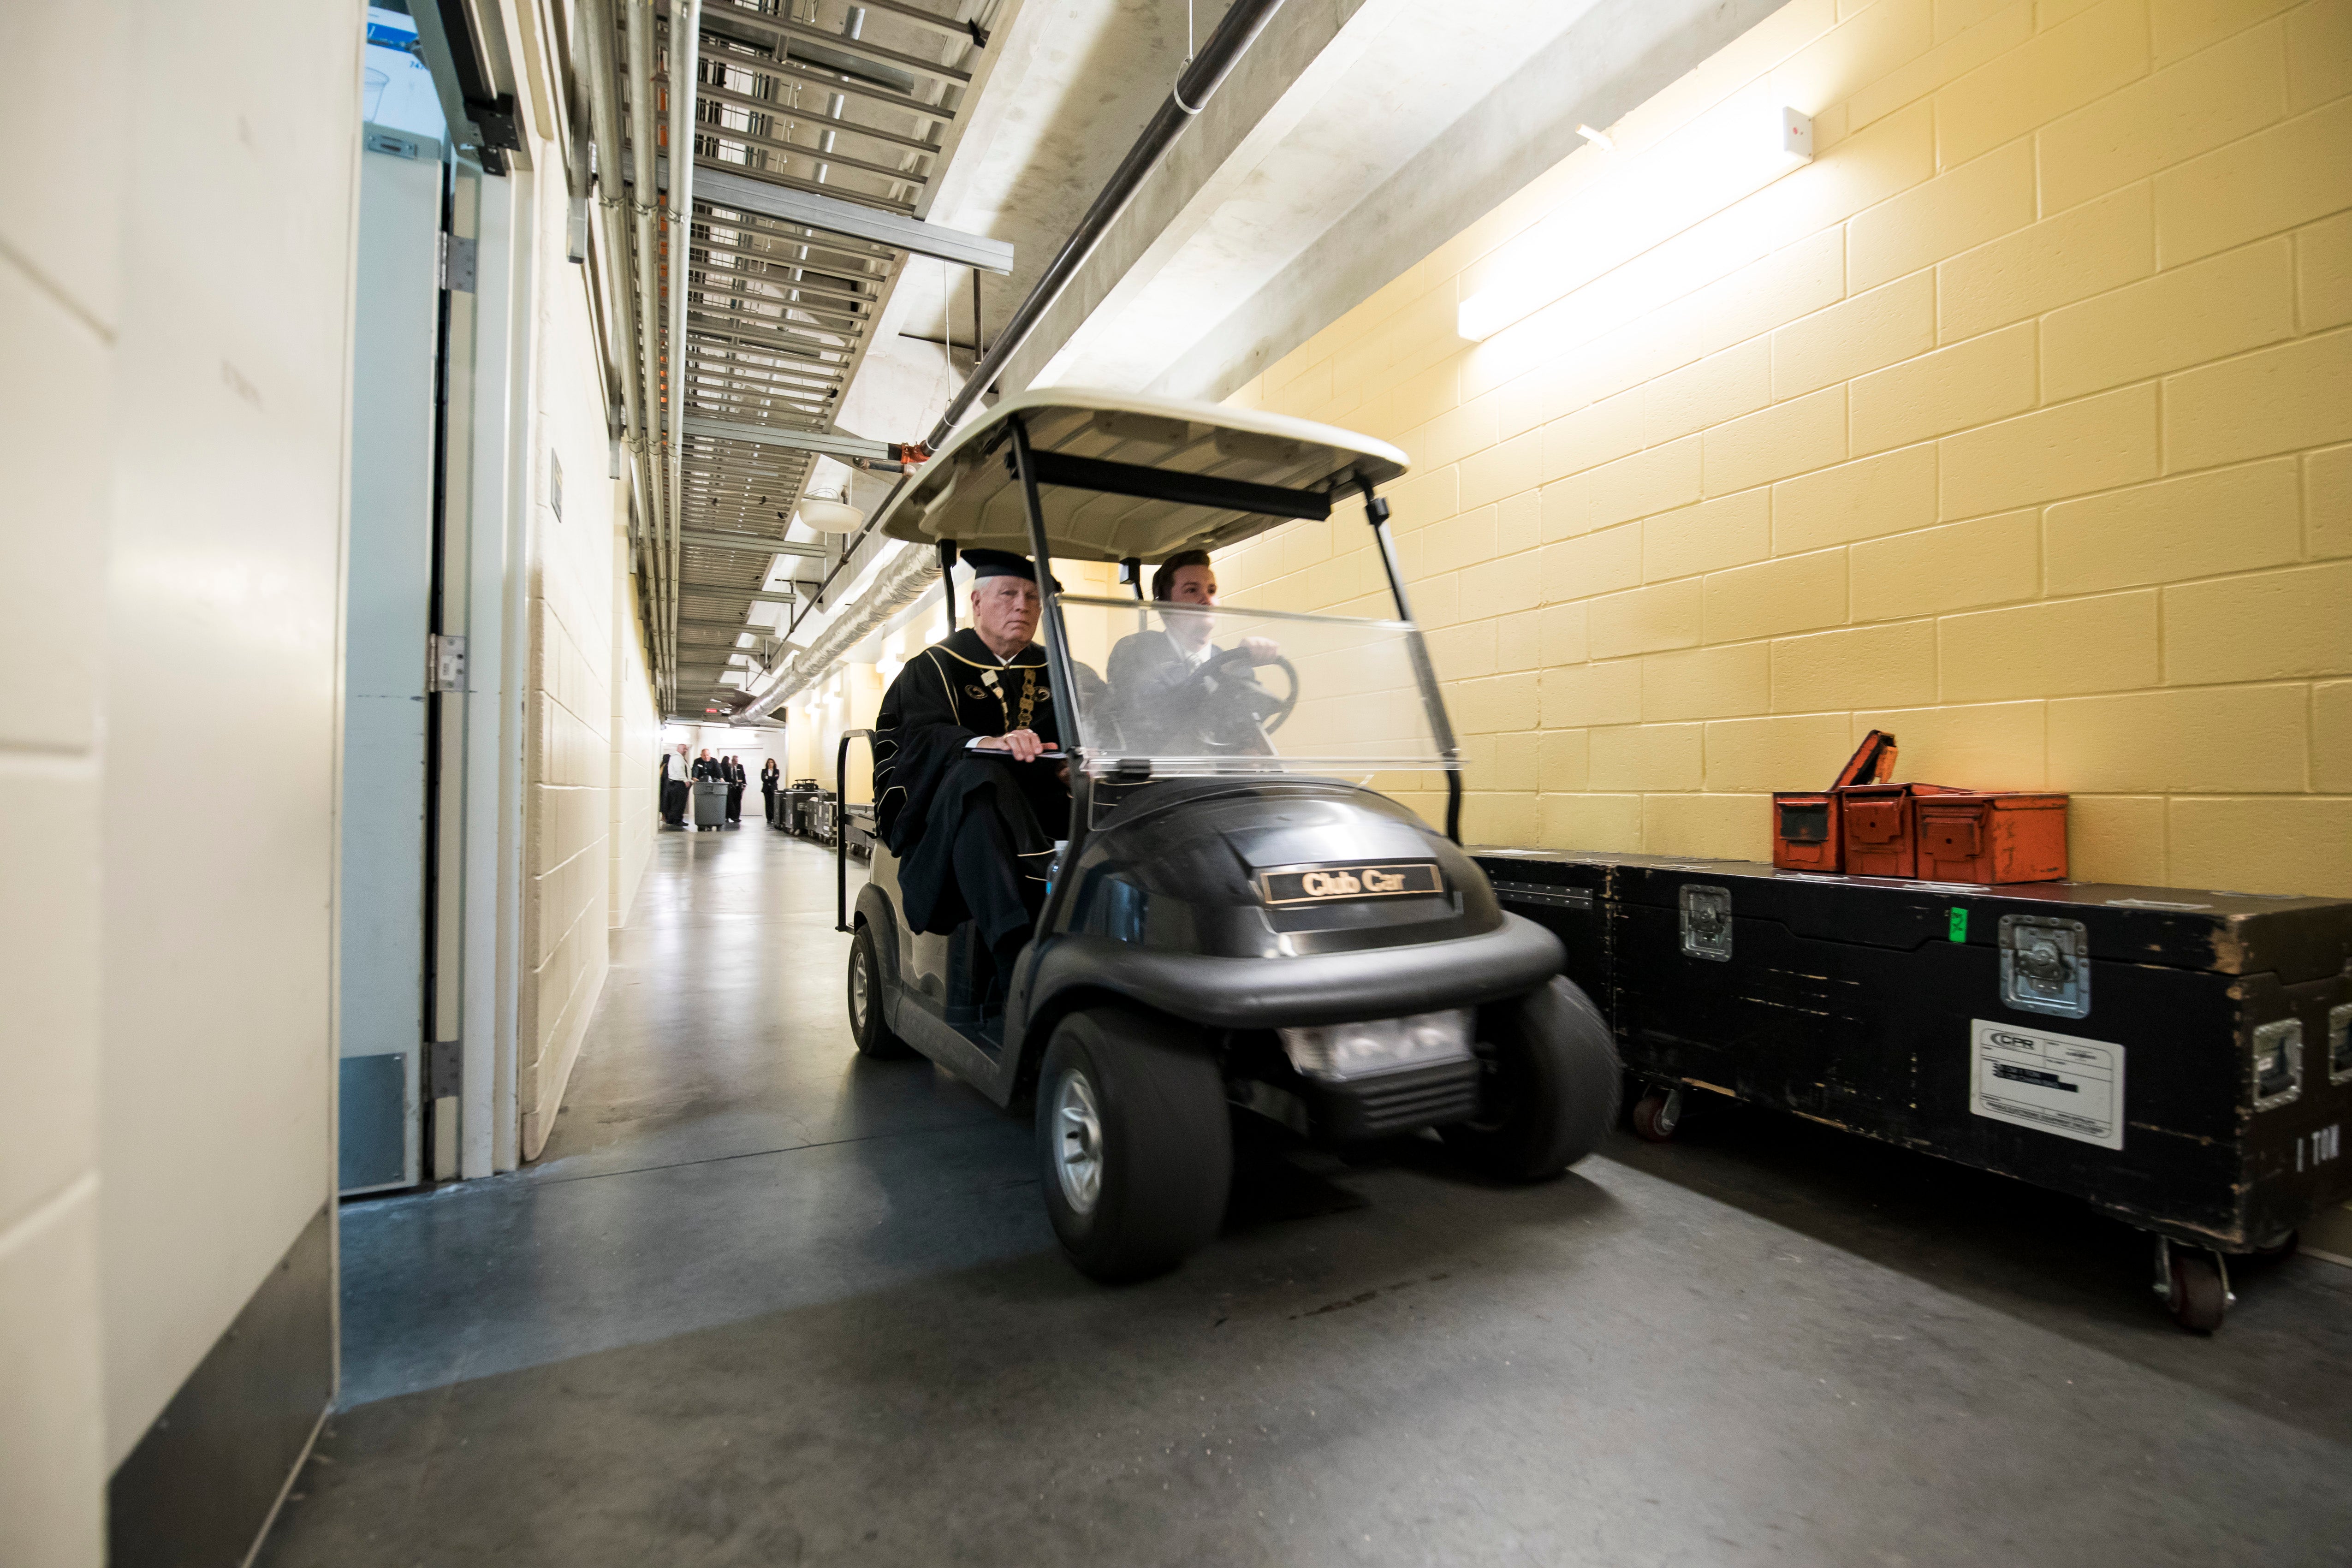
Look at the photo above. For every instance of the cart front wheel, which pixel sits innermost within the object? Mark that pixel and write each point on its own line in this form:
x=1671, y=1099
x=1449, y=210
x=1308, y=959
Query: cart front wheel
x=868, y=1026
x=1549, y=1089
x=1134, y=1143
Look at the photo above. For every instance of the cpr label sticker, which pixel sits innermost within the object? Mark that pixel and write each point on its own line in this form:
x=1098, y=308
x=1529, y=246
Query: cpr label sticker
x=2052, y=1083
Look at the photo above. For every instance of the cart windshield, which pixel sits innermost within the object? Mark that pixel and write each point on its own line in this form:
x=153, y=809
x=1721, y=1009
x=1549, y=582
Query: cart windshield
x=1189, y=690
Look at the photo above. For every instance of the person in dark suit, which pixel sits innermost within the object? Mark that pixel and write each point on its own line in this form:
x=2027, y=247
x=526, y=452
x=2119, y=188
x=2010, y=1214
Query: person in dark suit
x=771, y=779
x=705, y=766
x=736, y=780
x=1165, y=683
x=675, y=768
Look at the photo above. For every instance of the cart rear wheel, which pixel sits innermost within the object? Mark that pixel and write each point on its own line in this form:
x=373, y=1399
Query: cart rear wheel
x=1551, y=1085
x=2200, y=1295
x=868, y=1026
x=1134, y=1143
x=1656, y=1115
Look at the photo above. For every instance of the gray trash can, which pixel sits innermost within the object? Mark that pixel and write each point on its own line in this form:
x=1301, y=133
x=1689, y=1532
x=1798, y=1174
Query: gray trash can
x=709, y=804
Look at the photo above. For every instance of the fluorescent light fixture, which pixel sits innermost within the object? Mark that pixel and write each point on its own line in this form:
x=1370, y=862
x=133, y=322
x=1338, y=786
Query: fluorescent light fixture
x=1716, y=161
x=1596, y=138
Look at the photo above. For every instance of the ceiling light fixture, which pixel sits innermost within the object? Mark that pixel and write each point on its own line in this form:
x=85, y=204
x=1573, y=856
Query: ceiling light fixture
x=1646, y=198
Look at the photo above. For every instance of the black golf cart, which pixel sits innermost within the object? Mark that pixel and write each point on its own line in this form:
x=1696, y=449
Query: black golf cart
x=1238, y=923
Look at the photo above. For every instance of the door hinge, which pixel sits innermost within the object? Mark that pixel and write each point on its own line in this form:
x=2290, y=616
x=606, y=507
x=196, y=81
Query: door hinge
x=456, y=264
x=444, y=662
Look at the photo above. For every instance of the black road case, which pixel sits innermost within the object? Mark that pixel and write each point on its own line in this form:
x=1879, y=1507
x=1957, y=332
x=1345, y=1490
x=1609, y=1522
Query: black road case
x=2181, y=1060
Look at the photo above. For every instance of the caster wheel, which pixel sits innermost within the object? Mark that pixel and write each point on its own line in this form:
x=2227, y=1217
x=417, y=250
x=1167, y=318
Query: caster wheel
x=2283, y=1247
x=2199, y=1294
x=1656, y=1115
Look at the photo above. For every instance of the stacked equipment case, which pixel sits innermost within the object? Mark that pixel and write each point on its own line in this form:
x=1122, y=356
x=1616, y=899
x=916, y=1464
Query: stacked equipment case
x=2181, y=1060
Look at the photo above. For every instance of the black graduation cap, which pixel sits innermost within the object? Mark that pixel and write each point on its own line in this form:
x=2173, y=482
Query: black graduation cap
x=987, y=564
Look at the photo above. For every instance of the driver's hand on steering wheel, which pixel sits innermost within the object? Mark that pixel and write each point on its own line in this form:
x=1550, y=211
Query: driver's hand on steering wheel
x=1261, y=650
x=1023, y=744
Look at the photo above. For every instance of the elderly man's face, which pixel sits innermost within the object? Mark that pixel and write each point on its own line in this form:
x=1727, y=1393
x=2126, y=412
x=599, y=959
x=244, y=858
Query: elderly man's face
x=1004, y=611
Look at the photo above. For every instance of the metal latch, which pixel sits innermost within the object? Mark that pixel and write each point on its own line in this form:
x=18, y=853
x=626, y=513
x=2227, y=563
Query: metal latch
x=1707, y=921
x=444, y=662
x=2278, y=1064
x=2339, y=1043
x=2045, y=966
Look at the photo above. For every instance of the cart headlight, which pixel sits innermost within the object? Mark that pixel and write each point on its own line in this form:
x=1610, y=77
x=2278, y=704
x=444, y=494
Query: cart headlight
x=1337, y=1052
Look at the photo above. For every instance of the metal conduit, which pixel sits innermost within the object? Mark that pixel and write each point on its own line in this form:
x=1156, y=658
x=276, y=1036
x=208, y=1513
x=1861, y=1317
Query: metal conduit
x=1240, y=28
x=643, y=198
x=1234, y=34
x=685, y=55
x=597, y=29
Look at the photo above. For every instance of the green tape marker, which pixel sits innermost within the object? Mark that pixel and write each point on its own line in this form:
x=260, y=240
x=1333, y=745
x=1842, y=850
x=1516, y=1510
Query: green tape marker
x=1959, y=927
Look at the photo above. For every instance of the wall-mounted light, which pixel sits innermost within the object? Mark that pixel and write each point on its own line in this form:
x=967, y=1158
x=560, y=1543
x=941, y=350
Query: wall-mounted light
x=1722, y=157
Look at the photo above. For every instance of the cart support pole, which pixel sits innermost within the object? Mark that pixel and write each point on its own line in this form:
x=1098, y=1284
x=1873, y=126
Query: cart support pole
x=1376, y=512
x=840, y=827
x=1057, y=637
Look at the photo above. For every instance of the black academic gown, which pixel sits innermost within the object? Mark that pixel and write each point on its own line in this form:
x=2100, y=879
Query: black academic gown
x=974, y=835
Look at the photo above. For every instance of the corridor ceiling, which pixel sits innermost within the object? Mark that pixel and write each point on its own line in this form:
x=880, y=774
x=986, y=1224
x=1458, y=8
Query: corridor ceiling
x=857, y=104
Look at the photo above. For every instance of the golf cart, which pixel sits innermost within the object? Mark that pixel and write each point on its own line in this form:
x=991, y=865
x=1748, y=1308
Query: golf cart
x=1237, y=924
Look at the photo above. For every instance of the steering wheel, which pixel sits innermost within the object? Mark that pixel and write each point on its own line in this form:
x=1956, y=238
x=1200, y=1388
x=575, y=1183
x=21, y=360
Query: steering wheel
x=1271, y=719
x=1242, y=713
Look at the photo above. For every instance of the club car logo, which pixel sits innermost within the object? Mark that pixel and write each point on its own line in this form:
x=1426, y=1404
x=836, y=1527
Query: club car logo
x=1327, y=884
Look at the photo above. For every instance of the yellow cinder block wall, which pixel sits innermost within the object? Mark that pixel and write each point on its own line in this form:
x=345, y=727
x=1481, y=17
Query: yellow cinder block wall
x=2018, y=423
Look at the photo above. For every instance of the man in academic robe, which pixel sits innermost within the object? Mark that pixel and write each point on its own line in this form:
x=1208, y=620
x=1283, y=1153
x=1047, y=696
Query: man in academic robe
x=960, y=795
x=736, y=779
x=1170, y=688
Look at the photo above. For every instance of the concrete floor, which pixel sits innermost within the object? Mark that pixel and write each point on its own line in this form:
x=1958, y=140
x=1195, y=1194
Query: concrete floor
x=763, y=1302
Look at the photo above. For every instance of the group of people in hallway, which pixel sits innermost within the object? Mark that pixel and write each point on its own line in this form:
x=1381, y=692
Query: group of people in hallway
x=679, y=774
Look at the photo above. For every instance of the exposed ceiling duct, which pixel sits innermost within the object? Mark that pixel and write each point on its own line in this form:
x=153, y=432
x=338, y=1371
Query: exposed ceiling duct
x=745, y=281
x=912, y=569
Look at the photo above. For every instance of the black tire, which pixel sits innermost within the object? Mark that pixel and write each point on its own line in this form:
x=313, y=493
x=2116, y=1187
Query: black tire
x=868, y=1026
x=1552, y=1086
x=1161, y=1144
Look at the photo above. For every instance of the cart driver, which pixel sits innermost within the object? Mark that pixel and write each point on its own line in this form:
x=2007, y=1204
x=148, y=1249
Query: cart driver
x=960, y=795
x=1166, y=683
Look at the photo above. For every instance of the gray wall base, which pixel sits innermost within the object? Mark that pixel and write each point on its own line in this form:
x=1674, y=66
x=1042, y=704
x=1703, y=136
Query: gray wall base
x=203, y=1483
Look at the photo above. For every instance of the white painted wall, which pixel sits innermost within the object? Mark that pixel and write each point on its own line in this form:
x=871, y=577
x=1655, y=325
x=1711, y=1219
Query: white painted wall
x=60, y=311
x=220, y=681
x=636, y=734
x=568, y=756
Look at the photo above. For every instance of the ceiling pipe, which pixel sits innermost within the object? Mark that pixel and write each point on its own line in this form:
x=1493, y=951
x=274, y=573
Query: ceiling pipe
x=1200, y=80
x=596, y=30
x=642, y=199
x=685, y=73
x=905, y=577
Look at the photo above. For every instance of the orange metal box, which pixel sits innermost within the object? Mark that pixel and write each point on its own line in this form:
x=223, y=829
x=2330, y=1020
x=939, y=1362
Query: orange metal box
x=1992, y=838
x=1805, y=835
x=1880, y=825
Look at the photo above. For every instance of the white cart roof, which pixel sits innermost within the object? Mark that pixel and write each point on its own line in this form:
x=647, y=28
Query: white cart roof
x=967, y=493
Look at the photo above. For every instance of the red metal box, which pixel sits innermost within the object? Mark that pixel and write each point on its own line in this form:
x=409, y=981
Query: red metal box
x=1805, y=832
x=1993, y=838
x=1880, y=825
